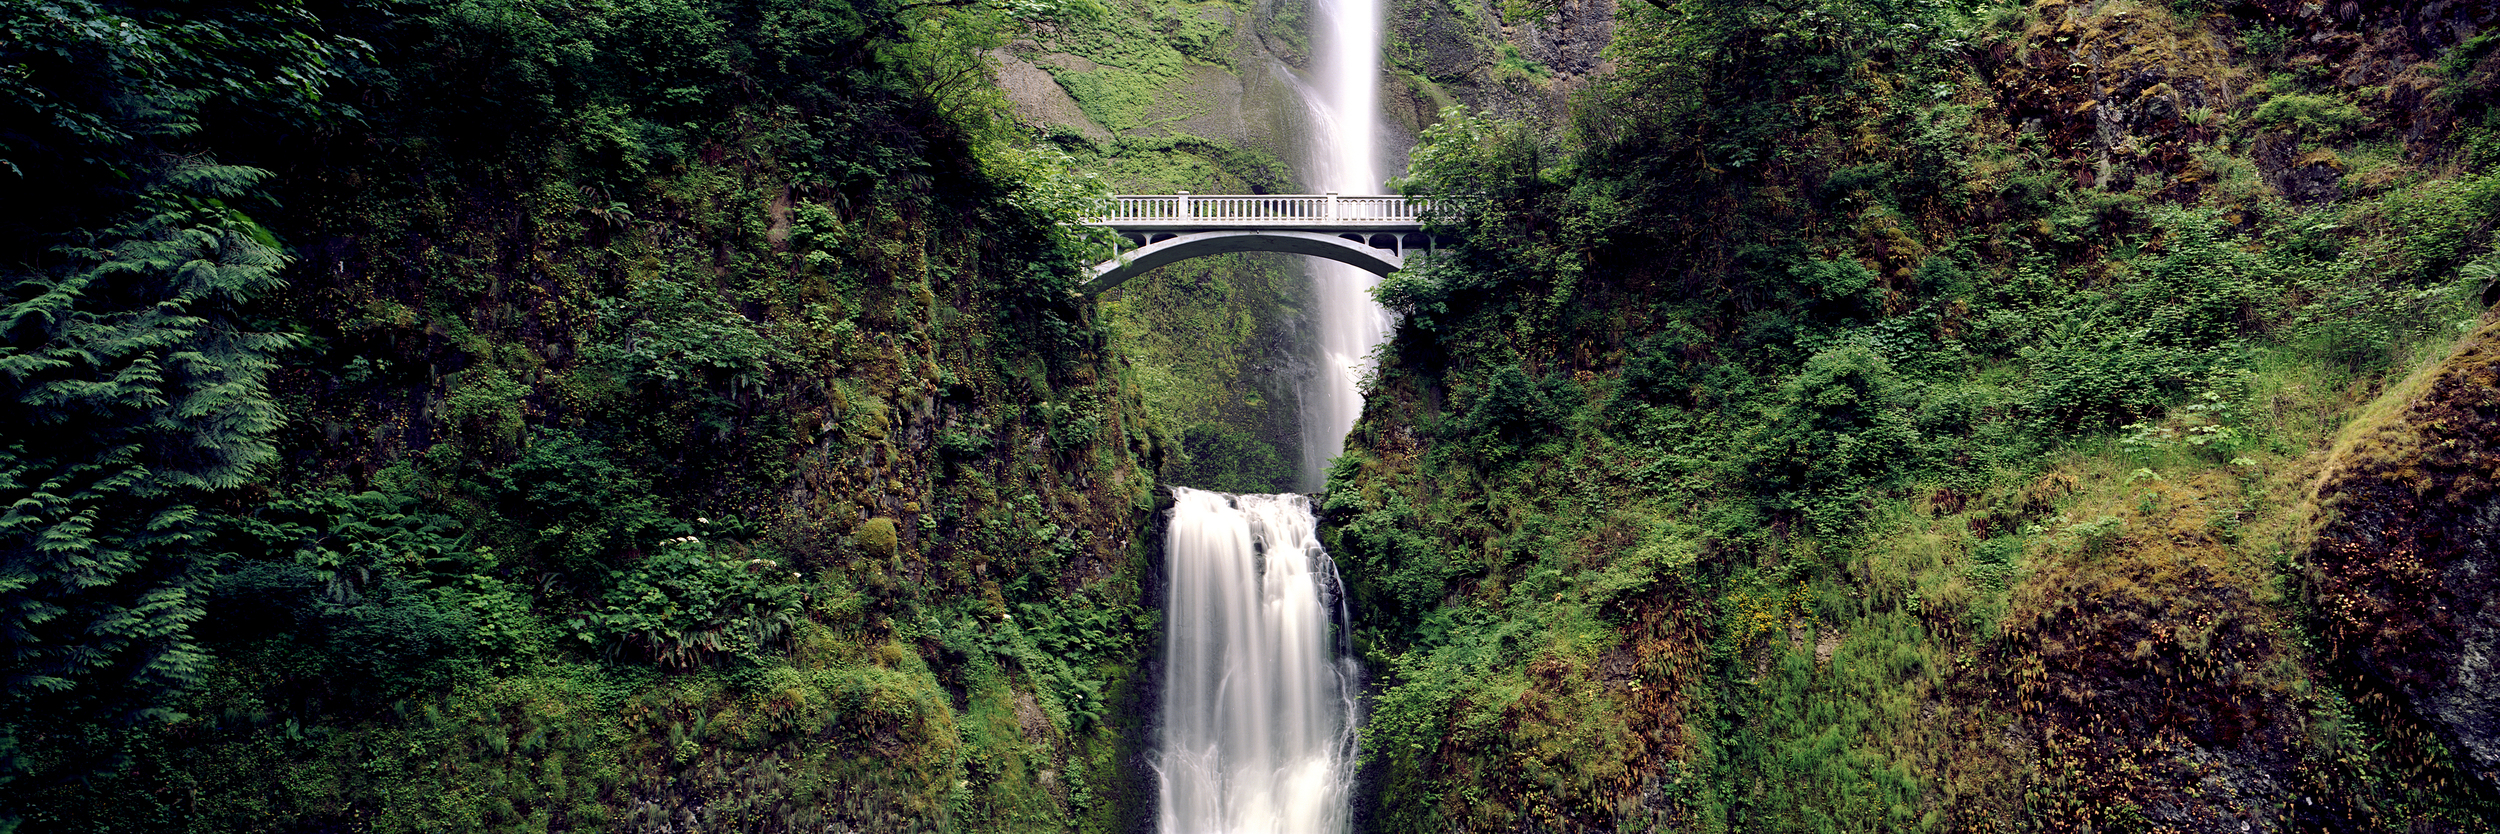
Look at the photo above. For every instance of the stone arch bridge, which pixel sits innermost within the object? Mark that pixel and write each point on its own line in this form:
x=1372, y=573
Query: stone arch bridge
x=1375, y=233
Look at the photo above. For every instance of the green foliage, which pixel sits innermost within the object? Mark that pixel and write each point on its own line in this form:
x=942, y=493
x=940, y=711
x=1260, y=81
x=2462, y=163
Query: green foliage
x=93, y=85
x=131, y=354
x=349, y=640
x=614, y=82
x=1509, y=411
x=366, y=588
x=688, y=604
x=1419, y=295
x=1848, y=288
x=2317, y=116
x=1410, y=720
x=681, y=339
x=485, y=409
x=126, y=349
x=1839, y=431
x=1799, y=756
x=1139, y=62
x=1662, y=367
x=1226, y=459
x=1393, y=563
x=1072, y=424
x=1072, y=651
x=1881, y=363
x=581, y=278
x=579, y=511
x=2445, y=223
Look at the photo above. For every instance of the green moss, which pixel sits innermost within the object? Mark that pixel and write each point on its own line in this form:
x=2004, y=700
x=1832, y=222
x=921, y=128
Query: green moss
x=877, y=536
x=1142, y=60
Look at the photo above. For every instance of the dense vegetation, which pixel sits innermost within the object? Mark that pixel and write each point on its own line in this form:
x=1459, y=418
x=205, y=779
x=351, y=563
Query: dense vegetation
x=1843, y=415
x=1874, y=416
x=499, y=414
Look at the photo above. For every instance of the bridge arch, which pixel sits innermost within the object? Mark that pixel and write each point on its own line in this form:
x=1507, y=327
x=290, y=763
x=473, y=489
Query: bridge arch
x=1168, y=249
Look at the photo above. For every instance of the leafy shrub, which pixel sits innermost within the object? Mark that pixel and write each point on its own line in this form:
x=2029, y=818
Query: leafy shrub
x=2091, y=381
x=579, y=510
x=686, y=605
x=377, y=637
x=2446, y=223
x=967, y=444
x=1066, y=648
x=1419, y=294
x=1662, y=367
x=2201, y=291
x=484, y=408
x=677, y=337
x=1072, y=427
x=1993, y=562
x=1666, y=552
x=1841, y=427
x=2315, y=115
x=1396, y=569
x=1844, y=289
x=352, y=592
x=1510, y=410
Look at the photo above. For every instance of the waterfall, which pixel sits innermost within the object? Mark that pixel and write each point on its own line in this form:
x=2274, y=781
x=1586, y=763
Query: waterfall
x=1344, y=114
x=1259, y=679
x=1258, y=706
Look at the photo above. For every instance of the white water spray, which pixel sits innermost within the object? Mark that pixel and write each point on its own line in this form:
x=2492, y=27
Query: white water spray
x=1258, y=708
x=1344, y=111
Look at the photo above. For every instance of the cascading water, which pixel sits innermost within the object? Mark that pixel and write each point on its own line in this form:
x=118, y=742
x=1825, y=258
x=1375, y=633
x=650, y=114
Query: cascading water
x=1258, y=692
x=1344, y=115
x=1258, y=708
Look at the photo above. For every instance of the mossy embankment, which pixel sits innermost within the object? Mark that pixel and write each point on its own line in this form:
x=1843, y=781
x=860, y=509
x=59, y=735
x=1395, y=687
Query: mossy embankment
x=1853, y=416
x=2401, y=572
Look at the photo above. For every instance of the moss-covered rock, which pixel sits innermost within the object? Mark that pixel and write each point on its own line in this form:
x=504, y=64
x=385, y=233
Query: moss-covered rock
x=877, y=536
x=2406, y=565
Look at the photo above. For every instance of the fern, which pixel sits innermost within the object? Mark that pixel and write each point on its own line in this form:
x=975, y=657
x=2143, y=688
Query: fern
x=136, y=389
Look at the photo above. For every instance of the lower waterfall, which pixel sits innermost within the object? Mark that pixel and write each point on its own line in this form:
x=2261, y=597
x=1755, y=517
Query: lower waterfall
x=1258, y=695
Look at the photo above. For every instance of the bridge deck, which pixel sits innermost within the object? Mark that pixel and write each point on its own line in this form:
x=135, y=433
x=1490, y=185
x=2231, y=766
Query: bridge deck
x=1315, y=212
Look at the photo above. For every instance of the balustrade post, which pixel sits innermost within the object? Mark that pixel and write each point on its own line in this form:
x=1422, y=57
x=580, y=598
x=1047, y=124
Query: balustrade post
x=1184, y=206
x=1329, y=215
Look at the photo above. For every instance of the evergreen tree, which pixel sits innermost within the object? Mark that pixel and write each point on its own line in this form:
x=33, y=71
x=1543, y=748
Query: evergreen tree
x=131, y=386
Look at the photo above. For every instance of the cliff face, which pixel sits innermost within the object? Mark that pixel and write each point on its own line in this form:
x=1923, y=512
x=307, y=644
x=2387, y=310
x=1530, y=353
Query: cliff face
x=1156, y=96
x=725, y=454
x=2406, y=567
x=1479, y=54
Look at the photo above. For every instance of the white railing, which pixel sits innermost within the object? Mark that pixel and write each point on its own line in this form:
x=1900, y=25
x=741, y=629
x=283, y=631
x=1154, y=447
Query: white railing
x=1261, y=210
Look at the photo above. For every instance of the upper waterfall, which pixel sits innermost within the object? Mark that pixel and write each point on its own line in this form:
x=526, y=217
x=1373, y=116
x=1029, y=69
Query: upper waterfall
x=1344, y=106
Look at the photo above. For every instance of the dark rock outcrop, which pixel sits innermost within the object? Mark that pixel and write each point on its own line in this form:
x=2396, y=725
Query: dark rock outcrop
x=2406, y=564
